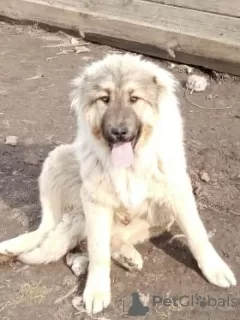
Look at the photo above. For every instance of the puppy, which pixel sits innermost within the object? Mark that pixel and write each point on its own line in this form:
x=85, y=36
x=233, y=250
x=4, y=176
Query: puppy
x=123, y=179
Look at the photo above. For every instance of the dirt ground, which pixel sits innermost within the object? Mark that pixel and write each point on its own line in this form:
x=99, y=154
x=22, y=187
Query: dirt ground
x=34, y=106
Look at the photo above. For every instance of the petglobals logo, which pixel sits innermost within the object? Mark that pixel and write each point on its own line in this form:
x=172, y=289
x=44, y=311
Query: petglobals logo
x=196, y=300
x=139, y=304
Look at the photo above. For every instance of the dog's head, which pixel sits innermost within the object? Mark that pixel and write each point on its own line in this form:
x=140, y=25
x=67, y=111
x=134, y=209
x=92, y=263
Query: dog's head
x=118, y=100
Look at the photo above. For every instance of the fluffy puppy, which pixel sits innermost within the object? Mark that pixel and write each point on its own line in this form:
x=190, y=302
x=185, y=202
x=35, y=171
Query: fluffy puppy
x=123, y=179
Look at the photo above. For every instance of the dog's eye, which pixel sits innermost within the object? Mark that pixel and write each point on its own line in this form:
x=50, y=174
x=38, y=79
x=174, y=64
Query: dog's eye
x=134, y=99
x=105, y=99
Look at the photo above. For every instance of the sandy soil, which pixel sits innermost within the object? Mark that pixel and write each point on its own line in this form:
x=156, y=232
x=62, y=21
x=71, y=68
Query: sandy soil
x=34, y=106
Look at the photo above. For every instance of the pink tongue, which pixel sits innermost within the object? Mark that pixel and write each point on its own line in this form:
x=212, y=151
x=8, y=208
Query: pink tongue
x=122, y=154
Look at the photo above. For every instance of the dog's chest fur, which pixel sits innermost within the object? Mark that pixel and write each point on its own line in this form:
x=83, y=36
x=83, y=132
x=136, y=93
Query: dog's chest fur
x=132, y=190
x=135, y=189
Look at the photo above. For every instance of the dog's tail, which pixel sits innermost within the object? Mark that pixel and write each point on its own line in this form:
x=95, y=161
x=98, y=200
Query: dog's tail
x=67, y=234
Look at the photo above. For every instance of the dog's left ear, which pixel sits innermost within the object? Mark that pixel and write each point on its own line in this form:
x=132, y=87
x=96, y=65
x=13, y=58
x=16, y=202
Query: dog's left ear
x=76, y=94
x=165, y=80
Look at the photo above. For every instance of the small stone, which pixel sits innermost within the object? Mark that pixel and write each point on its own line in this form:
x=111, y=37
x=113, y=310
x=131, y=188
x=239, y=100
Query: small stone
x=81, y=49
x=185, y=68
x=80, y=266
x=32, y=159
x=85, y=58
x=205, y=177
x=189, y=70
x=209, y=97
x=11, y=140
x=74, y=41
x=197, y=189
x=29, y=141
x=196, y=83
x=211, y=233
x=77, y=303
x=171, y=65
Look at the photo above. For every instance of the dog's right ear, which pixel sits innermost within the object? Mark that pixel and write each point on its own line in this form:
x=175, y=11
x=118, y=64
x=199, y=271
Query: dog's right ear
x=165, y=80
x=77, y=93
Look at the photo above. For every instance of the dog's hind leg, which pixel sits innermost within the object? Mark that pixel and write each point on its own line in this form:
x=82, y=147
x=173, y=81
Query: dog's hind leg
x=51, y=215
x=68, y=233
x=59, y=185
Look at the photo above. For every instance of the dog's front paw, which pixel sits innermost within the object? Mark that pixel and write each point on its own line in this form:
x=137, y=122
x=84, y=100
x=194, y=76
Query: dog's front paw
x=216, y=270
x=97, y=294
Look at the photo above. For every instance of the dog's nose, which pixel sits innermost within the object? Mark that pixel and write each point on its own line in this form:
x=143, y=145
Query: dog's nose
x=119, y=134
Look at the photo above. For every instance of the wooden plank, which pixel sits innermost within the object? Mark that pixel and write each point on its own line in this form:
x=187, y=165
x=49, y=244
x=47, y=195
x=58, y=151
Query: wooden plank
x=168, y=18
x=229, y=8
x=196, y=38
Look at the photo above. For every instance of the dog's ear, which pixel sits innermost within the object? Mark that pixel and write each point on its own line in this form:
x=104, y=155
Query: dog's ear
x=77, y=93
x=165, y=80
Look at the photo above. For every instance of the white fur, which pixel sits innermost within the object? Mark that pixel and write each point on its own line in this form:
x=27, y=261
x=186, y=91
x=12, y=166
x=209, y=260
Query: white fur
x=81, y=177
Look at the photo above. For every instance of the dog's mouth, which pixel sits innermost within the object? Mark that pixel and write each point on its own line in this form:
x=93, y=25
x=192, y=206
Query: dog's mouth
x=122, y=153
x=132, y=141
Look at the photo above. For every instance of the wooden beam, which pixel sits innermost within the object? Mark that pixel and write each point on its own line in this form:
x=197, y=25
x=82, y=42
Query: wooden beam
x=227, y=8
x=177, y=34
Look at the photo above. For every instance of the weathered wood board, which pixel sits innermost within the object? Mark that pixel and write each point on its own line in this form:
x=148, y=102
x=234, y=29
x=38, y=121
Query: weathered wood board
x=227, y=8
x=168, y=31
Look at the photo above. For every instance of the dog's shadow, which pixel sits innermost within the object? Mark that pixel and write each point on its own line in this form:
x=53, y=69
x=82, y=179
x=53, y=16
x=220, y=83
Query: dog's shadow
x=20, y=167
x=176, y=249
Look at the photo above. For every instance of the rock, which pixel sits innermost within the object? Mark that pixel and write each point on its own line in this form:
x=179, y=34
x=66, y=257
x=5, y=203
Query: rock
x=11, y=140
x=188, y=69
x=78, y=263
x=211, y=233
x=197, y=189
x=29, y=141
x=74, y=41
x=196, y=83
x=211, y=97
x=81, y=49
x=32, y=159
x=171, y=65
x=185, y=68
x=205, y=176
x=77, y=303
